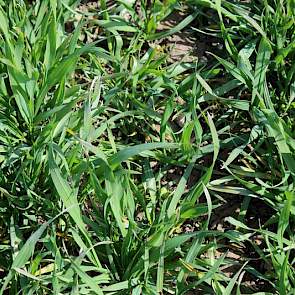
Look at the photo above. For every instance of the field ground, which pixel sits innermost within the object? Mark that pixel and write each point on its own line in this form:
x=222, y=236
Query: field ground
x=147, y=147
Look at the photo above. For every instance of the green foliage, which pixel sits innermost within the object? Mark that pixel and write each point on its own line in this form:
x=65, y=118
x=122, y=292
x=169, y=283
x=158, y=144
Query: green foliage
x=103, y=169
